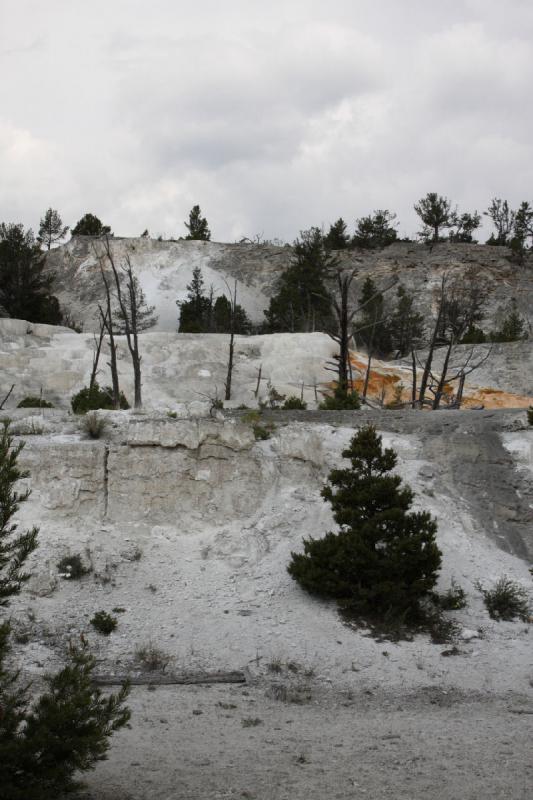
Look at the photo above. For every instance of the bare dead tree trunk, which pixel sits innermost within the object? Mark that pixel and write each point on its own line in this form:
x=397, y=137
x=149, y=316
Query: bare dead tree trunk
x=97, y=350
x=344, y=317
x=229, y=375
x=106, y=319
x=258, y=384
x=429, y=360
x=413, y=372
x=129, y=307
x=442, y=380
x=460, y=390
x=370, y=354
x=6, y=398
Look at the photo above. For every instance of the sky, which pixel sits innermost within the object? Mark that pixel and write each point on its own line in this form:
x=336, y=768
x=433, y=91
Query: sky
x=271, y=116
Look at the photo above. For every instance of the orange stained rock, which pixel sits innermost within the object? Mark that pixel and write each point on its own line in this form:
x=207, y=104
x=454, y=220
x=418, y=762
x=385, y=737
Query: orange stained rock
x=392, y=383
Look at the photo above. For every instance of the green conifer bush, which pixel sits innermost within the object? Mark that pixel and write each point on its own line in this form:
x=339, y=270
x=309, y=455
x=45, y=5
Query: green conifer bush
x=47, y=738
x=384, y=559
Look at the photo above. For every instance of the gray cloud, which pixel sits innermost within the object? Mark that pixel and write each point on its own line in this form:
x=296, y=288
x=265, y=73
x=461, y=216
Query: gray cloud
x=273, y=117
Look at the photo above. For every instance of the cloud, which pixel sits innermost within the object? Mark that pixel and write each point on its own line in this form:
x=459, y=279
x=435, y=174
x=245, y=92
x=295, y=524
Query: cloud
x=273, y=118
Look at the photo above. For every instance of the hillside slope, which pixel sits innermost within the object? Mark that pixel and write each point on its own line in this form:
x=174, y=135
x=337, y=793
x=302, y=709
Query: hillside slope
x=165, y=269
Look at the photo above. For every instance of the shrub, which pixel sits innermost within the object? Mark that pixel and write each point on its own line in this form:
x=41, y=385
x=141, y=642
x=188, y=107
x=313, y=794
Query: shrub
x=104, y=622
x=341, y=400
x=274, y=397
x=152, y=658
x=251, y=417
x=72, y=567
x=33, y=401
x=293, y=403
x=507, y=600
x=261, y=433
x=384, y=560
x=530, y=415
x=91, y=398
x=27, y=428
x=93, y=425
x=396, y=401
x=453, y=599
x=474, y=335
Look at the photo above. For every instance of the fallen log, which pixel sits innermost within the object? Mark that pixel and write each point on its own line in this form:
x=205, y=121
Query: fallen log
x=170, y=679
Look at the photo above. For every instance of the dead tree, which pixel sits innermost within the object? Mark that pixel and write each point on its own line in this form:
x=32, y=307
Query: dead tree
x=343, y=333
x=432, y=345
x=6, y=398
x=106, y=323
x=134, y=315
x=460, y=306
x=233, y=306
x=98, y=340
x=452, y=372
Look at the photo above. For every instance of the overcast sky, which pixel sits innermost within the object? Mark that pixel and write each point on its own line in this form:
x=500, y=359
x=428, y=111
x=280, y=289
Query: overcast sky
x=273, y=116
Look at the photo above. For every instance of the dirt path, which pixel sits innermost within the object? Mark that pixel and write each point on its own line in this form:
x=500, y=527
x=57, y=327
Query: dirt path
x=205, y=744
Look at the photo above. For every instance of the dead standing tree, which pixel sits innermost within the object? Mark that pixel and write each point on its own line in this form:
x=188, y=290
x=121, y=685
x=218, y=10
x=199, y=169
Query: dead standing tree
x=106, y=324
x=134, y=315
x=98, y=341
x=343, y=333
x=233, y=306
x=460, y=304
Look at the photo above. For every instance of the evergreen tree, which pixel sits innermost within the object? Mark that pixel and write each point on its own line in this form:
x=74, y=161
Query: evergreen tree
x=302, y=302
x=199, y=313
x=406, y=324
x=522, y=231
x=51, y=229
x=436, y=214
x=222, y=317
x=196, y=310
x=376, y=231
x=513, y=327
x=337, y=238
x=372, y=325
x=46, y=740
x=90, y=225
x=197, y=226
x=384, y=559
x=503, y=220
x=465, y=225
x=25, y=289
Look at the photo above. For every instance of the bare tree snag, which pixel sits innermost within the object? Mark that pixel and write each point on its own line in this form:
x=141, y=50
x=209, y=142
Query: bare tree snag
x=6, y=398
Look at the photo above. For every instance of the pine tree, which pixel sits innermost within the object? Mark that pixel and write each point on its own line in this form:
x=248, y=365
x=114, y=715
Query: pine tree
x=302, y=302
x=376, y=231
x=44, y=742
x=406, y=324
x=372, y=327
x=337, y=238
x=503, y=218
x=465, y=225
x=197, y=226
x=222, y=317
x=384, y=559
x=51, y=229
x=196, y=310
x=513, y=327
x=90, y=225
x=436, y=214
x=25, y=288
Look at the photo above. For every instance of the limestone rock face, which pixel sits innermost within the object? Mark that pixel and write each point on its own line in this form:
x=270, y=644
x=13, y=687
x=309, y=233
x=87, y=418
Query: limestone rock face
x=68, y=479
x=165, y=268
